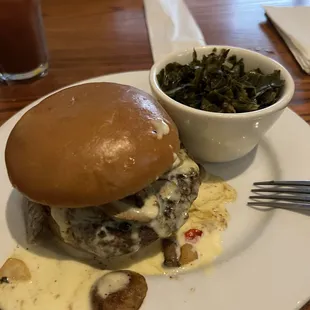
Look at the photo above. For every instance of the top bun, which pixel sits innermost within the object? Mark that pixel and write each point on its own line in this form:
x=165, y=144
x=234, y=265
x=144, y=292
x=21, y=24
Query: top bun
x=90, y=144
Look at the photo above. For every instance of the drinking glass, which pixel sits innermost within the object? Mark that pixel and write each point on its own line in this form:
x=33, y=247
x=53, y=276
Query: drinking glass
x=23, y=51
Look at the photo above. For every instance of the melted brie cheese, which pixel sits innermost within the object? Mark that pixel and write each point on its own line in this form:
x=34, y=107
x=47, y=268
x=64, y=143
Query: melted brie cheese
x=161, y=128
x=124, y=211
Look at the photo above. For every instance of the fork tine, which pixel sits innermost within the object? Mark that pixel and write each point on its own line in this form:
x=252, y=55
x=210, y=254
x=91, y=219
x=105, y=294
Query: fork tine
x=305, y=198
x=283, y=183
x=297, y=190
x=281, y=205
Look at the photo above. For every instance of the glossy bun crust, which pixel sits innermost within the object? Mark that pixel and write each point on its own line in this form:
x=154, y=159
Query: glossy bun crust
x=89, y=145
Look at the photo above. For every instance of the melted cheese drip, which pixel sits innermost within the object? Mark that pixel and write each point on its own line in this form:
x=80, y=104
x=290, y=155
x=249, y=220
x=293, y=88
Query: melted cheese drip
x=161, y=128
x=58, y=282
x=210, y=215
x=59, y=216
x=148, y=212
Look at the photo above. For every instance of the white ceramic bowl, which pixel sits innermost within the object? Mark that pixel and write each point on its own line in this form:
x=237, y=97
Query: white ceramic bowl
x=221, y=137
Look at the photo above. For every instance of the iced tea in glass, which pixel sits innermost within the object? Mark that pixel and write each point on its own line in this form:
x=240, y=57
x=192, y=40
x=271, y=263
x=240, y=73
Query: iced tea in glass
x=23, y=51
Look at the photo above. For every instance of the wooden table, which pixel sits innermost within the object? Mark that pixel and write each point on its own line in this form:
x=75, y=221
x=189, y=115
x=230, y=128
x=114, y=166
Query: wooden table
x=88, y=38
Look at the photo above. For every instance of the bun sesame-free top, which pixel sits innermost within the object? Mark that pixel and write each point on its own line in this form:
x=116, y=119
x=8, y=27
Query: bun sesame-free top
x=89, y=145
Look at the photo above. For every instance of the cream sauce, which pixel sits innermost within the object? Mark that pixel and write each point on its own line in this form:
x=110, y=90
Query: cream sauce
x=209, y=214
x=58, y=282
x=176, y=160
x=124, y=211
x=161, y=128
x=170, y=192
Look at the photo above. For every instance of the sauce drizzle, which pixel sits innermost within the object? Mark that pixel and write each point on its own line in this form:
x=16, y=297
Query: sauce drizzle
x=59, y=282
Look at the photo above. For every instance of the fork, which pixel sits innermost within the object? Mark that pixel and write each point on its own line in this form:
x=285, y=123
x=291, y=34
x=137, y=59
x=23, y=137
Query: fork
x=281, y=194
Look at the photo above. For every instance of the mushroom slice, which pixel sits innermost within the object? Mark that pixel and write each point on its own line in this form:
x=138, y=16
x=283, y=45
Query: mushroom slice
x=119, y=290
x=188, y=254
x=15, y=270
x=171, y=252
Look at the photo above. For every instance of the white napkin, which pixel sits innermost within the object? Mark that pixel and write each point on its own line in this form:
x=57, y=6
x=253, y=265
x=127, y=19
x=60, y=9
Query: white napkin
x=171, y=27
x=293, y=24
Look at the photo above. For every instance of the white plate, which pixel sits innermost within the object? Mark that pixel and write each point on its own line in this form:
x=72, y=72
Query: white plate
x=266, y=258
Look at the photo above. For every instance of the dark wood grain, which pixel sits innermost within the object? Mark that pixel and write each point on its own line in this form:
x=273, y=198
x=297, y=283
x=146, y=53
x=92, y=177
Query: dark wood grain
x=88, y=38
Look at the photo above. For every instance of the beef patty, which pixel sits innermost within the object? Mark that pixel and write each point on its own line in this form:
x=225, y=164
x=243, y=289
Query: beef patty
x=124, y=226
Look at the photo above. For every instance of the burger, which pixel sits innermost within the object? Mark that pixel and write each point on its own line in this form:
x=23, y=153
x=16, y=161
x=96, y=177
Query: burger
x=101, y=167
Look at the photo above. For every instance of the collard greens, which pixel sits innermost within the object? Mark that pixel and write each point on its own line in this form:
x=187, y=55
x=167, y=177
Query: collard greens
x=219, y=83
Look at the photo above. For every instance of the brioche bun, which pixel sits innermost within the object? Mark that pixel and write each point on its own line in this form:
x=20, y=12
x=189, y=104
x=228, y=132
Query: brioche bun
x=90, y=144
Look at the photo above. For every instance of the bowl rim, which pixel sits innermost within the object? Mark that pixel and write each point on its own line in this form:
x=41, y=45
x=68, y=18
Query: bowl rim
x=279, y=105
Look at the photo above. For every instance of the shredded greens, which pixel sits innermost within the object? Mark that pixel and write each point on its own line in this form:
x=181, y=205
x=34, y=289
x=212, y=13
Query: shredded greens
x=219, y=83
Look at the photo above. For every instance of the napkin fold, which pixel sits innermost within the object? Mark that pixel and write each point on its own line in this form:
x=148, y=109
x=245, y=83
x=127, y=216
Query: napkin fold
x=293, y=24
x=171, y=27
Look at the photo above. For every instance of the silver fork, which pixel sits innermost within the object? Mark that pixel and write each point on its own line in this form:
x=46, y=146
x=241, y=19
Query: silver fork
x=281, y=194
